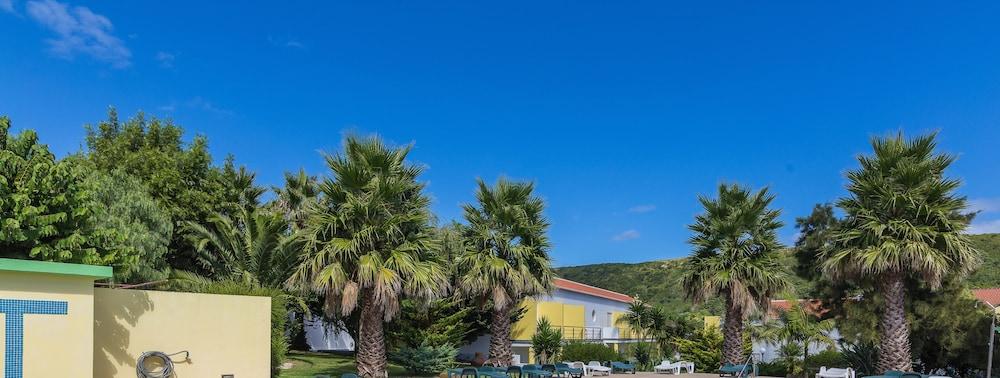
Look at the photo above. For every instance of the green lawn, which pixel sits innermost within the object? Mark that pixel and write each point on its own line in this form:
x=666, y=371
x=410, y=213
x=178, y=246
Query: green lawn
x=308, y=364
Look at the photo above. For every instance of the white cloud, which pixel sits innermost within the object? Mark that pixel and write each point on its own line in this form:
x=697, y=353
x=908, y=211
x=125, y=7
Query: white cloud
x=987, y=227
x=639, y=209
x=166, y=59
x=626, y=235
x=286, y=42
x=985, y=205
x=79, y=31
x=7, y=6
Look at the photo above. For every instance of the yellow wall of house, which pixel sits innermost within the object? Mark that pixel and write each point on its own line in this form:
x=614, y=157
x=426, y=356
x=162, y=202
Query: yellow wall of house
x=525, y=327
x=553, y=311
x=614, y=322
x=225, y=334
x=53, y=344
x=573, y=315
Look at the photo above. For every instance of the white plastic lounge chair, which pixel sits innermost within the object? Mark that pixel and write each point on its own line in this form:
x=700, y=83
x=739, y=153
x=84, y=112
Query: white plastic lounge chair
x=595, y=367
x=579, y=365
x=667, y=367
x=825, y=372
x=515, y=360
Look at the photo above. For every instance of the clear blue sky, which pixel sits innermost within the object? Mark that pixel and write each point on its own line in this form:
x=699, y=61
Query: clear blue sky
x=622, y=112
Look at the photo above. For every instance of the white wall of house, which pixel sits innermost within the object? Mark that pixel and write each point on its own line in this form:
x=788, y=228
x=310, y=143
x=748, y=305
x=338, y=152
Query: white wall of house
x=322, y=336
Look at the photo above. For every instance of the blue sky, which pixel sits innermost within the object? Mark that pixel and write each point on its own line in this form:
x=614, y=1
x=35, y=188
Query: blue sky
x=622, y=112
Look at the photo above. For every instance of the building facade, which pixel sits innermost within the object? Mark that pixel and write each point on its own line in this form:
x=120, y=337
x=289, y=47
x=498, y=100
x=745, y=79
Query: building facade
x=583, y=313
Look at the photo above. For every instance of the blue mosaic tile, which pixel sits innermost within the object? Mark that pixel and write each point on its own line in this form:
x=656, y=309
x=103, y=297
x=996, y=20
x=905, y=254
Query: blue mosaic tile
x=14, y=311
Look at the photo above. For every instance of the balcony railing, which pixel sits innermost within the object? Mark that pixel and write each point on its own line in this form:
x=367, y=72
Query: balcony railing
x=596, y=333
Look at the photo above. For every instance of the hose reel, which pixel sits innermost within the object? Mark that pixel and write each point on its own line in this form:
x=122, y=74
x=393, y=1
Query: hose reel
x=162, y=364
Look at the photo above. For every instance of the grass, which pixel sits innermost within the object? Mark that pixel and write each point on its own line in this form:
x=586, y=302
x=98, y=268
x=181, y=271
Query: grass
x=308, y=364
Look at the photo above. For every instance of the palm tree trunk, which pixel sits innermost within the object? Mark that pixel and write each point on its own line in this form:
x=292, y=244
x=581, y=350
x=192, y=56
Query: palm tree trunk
x=371, y=339
x=732, y=343
x=894, y=346
x=500, y=352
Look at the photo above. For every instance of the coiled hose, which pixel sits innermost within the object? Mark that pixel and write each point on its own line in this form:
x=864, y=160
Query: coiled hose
x=166, y=370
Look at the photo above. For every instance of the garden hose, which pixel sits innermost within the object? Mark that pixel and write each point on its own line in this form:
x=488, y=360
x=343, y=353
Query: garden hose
x=166, y=370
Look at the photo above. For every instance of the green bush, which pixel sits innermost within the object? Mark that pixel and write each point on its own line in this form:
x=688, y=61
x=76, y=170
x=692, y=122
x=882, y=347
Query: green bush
x=704, y=348
x=585, y=352
x=828, y=358
x=426, y=359
x=772, y=369
x=547, y=342
x=643, y=355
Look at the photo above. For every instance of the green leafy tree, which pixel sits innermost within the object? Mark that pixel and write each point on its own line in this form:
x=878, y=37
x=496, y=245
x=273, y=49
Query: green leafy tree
x=735, y=244
x=122, y=204
x=704, y=347
x=814, y=236
x=46, y=209
x=903, y=221
x=369, y=243
x=546, y=342
x=179, y=175
x=506, y=258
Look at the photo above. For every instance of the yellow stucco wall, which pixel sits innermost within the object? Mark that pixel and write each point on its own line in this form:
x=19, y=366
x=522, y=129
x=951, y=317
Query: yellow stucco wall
x=54, y=345
x=525, y=327
x=553, y=311
x=224, y=334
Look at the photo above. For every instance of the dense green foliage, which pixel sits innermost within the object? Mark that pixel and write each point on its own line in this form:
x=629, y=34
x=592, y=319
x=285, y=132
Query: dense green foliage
x=586, y=352
x=179, y=175
x=426, y=359
x=546, y=343
x=703, y=347
x=252, y=246
x=123, y=204
x=47, y=209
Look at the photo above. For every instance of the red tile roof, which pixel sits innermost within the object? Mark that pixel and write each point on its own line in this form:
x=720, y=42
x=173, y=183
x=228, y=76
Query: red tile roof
x=577, y=287
x=812, y=306
x=990, y=296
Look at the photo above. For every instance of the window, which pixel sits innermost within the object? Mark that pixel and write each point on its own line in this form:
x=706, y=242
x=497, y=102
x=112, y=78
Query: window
x=608, y=320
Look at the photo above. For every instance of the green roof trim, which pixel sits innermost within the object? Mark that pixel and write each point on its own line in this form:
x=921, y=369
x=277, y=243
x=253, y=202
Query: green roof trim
x=33, y=266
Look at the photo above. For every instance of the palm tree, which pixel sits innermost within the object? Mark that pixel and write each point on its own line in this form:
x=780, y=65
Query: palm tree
x=367, y=242
x=253, y=247
x=798, y=326
x=506, y=258
x=903, y=221
x=294, y=198
x=734, y=257
x=638, y=318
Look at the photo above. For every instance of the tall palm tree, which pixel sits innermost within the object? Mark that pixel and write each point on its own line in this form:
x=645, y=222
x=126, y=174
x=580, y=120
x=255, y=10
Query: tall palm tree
x=734, y=257
x=368, y=242
x=294, y=198
x=639, y=318
x=506, y=258
x=903, y=221
x=253, y=246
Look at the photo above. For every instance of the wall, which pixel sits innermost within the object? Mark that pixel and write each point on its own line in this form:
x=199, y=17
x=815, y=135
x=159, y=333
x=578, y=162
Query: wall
x=66, y=339
x=225, y=334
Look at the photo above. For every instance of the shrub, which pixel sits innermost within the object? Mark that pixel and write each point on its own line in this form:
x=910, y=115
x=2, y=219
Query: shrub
x=426, y=359
x=643, y=355
x=704, y=348
x=772, y=369
x=546, y=342
x=588, y=352
x=861, y=356
x=828, y=358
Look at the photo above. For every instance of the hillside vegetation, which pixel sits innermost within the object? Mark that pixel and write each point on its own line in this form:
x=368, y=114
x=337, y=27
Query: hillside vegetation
x=660, y=281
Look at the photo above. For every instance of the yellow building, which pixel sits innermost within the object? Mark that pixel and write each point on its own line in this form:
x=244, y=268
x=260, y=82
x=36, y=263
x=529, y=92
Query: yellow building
x=582, y=312
x=58, y=325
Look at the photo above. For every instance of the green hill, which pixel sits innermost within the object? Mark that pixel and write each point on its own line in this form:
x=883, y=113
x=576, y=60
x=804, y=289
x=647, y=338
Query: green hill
x=660, y=282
